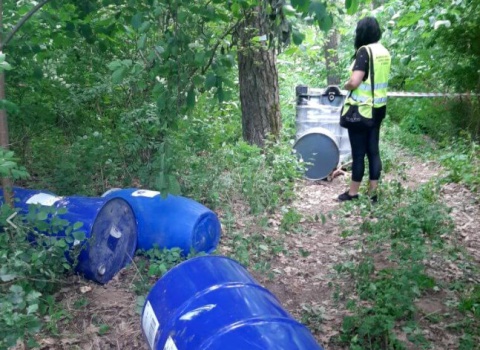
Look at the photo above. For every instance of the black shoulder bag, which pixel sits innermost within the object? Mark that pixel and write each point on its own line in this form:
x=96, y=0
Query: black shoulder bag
x=353, y=118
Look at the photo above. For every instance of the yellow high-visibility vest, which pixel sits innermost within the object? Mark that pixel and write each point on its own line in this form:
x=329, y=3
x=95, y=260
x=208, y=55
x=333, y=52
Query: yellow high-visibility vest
x=362, y=95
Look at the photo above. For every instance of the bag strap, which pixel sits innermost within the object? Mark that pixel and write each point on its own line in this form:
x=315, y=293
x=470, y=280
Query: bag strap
x=372, y=73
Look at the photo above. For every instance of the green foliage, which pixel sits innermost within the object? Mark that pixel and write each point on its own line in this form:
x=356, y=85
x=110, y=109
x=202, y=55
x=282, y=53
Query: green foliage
x=470, y=302
x=9, y=166
x=396, y=231
x=435, y=49
x=217, y=168
x=154, y=263
x=4, y=65
x=264, y=178
x=462, y=159
x=312, y=316
x=33, y=266
x=290, y=220
x=255, y=249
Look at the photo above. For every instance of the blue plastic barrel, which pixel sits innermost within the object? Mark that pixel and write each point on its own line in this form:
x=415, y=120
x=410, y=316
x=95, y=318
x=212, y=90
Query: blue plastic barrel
x=213, y=303
x=173, y=221
x=108, y=224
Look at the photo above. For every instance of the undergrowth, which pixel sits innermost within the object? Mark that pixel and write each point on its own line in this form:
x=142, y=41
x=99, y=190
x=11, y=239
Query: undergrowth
x=398, y=235
x=459, y=155
x=33, y=267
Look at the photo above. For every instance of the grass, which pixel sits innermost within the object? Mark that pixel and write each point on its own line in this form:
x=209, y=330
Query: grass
x=406, y=230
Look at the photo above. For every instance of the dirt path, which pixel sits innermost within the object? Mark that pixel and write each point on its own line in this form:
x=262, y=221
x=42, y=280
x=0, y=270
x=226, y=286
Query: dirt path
x=308, y=285
x=302, y=276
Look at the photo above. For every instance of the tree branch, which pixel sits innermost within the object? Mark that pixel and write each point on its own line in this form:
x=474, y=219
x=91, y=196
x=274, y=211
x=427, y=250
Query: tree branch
x=215, y=47
x=22, y=22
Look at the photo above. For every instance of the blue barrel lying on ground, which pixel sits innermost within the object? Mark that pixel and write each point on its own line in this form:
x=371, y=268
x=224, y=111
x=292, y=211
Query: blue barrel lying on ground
x=108, y=224
x=173, y=221
x=213, y=303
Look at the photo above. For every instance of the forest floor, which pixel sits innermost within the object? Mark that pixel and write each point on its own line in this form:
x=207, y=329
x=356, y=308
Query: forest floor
x=302, y=275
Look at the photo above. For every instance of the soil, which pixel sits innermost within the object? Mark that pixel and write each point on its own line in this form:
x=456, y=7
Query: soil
x=302, y=277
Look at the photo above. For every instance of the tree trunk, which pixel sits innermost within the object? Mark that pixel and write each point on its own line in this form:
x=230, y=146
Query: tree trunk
x=331, y=58
x=6, y=183
x=4, y=141
x=258, y=79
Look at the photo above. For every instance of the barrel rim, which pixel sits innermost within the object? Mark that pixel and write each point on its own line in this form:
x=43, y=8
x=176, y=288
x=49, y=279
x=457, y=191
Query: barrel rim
x=320, y=130
x=252, y=321
x=218, y=228
x=332, y=138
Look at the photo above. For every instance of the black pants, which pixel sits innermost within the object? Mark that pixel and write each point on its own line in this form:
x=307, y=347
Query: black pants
x=364, y=141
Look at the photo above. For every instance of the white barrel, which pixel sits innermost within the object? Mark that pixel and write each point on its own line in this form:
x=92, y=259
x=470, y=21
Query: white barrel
x=322, y=108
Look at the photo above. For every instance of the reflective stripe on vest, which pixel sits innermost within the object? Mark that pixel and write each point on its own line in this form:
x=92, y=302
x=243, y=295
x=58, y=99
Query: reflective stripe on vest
x=362, y=95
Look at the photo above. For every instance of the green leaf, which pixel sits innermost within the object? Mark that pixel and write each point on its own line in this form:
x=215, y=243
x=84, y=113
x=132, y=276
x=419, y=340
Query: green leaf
x=144, y=27
x=11, y=107
x=142, y=41
x=113, y=66
x=174, y=185
x=191, y=98
x=182, y=16
x=5, y=66
x=32, y=309
x=199, y=58
x=210, y=81
x=77, y=225
x=79, y=235
x=318, y=9
x=326, y=23
x=33, y=296
x=119, y=75
x=160, y=103
x=42, y=215
x=7, y=277
x=352, y=6
x=263, y=247
x=137, y=21
x=297, y=37
x=198, y=80
x=409, y=19
x=300, y=5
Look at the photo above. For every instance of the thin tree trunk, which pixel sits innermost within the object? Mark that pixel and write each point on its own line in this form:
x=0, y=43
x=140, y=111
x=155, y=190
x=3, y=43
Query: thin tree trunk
x=4, y=142
x=258, y=79
x=331, y=58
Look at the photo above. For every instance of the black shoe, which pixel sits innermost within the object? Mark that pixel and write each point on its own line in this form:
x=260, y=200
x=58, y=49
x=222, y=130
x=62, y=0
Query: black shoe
x=346, y=197
x=374, y=199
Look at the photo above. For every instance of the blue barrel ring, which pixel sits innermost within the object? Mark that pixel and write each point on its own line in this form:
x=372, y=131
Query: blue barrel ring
x=213, y=303
x=108, y=224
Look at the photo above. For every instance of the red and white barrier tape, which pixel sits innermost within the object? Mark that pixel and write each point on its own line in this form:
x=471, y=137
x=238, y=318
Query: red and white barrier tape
x=320, y=91
x=427, y=94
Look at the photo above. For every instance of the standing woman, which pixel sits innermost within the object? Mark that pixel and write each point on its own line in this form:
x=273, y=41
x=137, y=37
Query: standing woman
x=366, y=105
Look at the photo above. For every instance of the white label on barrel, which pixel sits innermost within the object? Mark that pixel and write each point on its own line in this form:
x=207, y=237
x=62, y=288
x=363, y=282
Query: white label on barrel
x=145, y=193
x=170, y=344
x=150, y=324
x=115, y=232
x=43, y=199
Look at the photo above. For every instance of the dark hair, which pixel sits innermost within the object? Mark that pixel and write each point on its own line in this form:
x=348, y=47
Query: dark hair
x=367, y=32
